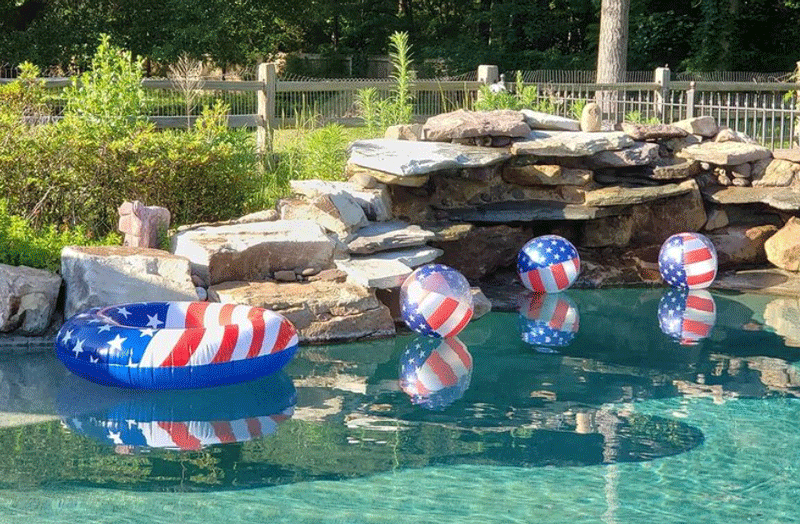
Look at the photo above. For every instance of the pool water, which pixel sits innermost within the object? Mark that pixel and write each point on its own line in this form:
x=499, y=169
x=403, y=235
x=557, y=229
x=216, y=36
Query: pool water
x=622, y=405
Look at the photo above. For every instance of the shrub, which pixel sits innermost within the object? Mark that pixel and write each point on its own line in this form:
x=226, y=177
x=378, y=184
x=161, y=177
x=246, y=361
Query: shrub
x=22, y=244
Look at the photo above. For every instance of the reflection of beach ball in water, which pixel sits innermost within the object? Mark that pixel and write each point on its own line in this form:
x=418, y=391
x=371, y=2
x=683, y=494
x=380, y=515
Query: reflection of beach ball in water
x=688, y=260
x=548, y=320
x=435, y=373
x=548, y=264
x=436, y=301
x=687, y=315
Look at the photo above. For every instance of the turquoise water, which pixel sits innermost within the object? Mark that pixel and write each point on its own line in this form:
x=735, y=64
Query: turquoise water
x=612, y=420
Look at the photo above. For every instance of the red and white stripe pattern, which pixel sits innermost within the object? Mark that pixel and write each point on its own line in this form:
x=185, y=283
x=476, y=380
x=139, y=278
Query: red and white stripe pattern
x=688, y=260
x=554, y=311
x=444, y=367
x=548, y=264
x=436, y=301
x=688, y=316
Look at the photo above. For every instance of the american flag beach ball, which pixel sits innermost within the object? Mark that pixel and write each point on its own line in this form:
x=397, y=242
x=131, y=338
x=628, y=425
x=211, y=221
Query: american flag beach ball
x=548, y=320
x=688, y=260
x=548, y=264
x=435, y=373
x=687, y=315
x=436, y=301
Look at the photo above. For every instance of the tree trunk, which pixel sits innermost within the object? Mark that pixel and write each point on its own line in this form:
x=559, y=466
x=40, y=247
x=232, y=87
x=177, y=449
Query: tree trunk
x=612, y=51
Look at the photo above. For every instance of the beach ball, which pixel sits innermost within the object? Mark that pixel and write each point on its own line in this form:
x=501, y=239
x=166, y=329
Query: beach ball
x=548, y=264
x=436, y=301
x=434, y=373
x=688, y=260
x=687, y=315
x=548, y=320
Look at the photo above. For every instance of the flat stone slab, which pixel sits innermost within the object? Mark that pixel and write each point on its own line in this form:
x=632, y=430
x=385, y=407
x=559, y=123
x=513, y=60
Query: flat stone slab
x=407, y=158
x=792, y=155
x=383, y=236
x=470, y=124
x=619, y=195
x=777, y=173
x=375, y=202
x=725, y=153
x=537, y=120
x=565, y=143
x=374, y=272
x=545, y=175
x=355, y=171
x=253, y=251
x=321, y=311
x=678, y=169
x=529, y=211
x=412, y=257
x=705, y=126
x=639, y=154
x=771, y=281
x=783, y=198
x=652, y=131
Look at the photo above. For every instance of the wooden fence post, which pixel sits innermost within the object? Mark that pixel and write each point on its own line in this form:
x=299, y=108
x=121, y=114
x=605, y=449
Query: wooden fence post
x=662, y=78
x=265, y=111
x=690, y=93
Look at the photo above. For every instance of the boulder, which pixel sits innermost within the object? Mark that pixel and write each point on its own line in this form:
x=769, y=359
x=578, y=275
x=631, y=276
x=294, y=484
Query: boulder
x=27, y=299
x=253, y=251
x=480, y=304
x=591, y=118
x=607, y=231
x=778, y=173
x=656, y=221
x=678, y=144
x=741, y=245
x=725, y=153
x=108, y=275
x=674, y=169
x=783, y=248
x=404, y=158
x=404, y=132
x=792, y=155
x=717, y=218
x=726, y=134
x=468, y=124
x=705, y=126
x=383, y=236
x=782, y=315
x=142, y=224
x=639, y=154
x=374, y=201
x=321, y=311
x=652, y=131
x=537, y=120
x=374, y=272
x=620, y=195
x=565, y=143
x=544, y=175
x=483, y=250
x=336, y=213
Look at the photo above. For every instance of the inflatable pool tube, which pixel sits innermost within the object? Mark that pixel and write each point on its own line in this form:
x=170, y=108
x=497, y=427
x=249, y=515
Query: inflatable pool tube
x=184, y=420
x=175, y=345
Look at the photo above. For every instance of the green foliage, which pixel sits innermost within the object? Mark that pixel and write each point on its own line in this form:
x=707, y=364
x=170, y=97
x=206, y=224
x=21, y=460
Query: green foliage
x=522, y=97
x=637, y=117
x=77, y=172
x=22, y=244
x=398, y=108
x=109, y=95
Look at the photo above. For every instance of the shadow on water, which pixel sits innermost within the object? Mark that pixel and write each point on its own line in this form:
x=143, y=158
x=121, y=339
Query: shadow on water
x=499, y=395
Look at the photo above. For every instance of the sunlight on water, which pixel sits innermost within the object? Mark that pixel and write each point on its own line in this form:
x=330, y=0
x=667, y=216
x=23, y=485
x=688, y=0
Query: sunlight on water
x=589, y=407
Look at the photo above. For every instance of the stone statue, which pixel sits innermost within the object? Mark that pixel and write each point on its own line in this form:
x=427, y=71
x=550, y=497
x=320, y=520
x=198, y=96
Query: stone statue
x=141, y=224
x=591, y=118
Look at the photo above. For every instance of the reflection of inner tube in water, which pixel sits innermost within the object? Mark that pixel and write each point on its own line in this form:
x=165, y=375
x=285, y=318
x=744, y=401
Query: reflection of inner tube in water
x=435, y=372
x=175, y=345
x=687, y=315
x=185, y=420
x=548, y=320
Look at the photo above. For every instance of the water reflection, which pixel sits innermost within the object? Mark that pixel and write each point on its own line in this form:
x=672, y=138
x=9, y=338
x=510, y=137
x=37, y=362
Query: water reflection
x=182, y=420
x=435, y=372
x=548, y=320
x=687, y=315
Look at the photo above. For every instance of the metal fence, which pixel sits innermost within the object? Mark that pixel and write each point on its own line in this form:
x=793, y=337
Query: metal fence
x=762, y=105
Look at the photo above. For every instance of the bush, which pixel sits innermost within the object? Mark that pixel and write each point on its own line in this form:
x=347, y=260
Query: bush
x=77, y=172
x=23, y=245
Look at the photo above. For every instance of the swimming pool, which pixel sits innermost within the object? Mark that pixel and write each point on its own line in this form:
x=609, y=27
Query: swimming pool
x=612, y=420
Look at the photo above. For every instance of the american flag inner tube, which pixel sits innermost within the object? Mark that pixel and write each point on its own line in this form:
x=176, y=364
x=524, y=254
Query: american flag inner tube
x=175, y=345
